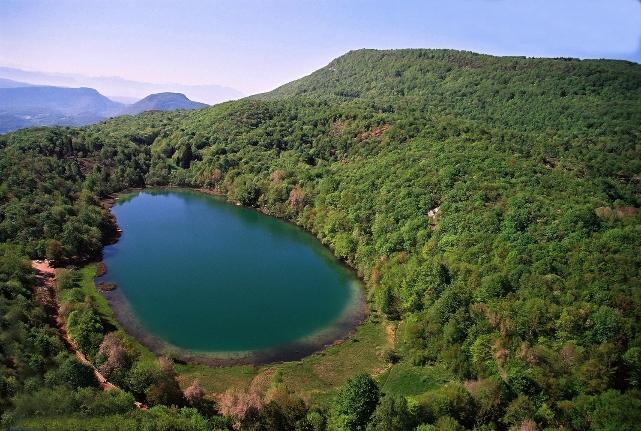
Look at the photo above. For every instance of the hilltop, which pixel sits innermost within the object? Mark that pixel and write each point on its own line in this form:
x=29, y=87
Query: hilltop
x=163, y=102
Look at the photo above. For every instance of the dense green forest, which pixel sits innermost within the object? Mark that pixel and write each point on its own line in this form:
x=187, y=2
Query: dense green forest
x=489, y=203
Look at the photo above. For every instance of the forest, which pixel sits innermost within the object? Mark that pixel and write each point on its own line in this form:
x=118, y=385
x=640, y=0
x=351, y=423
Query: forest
x=490, y=205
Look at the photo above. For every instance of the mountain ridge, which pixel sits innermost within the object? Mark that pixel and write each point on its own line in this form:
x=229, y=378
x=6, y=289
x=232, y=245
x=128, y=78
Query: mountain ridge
x=38, y=105
x=115, y=86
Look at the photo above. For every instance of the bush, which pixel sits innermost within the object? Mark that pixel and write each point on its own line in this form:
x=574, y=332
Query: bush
x=86, y=330
x=102, y=403
x=392, y=414
x=141, y=376
x=72, y=373
x=449, y=400
x=355, y=403
x=611, y=410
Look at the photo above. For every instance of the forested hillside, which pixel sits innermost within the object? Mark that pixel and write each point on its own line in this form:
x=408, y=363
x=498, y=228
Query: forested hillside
x=490, y=204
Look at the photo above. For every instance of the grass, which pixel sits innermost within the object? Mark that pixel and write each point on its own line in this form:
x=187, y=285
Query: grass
x=409, y=380
x=314, y=378
x=88, y=287
x=65, y=423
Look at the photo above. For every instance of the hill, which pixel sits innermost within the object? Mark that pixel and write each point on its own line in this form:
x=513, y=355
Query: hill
x=479, y=87
x=163, y=102
x=9, y=83
x=490, y=204
x=23, y=105
x=66, y=101
x=42, y=106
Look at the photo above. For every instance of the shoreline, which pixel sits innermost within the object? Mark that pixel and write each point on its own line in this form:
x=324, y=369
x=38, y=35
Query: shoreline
x=355, y=313
x=45, y=291
x=336, y=333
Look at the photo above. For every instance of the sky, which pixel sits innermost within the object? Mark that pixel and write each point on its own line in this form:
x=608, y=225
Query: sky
x=254, y=46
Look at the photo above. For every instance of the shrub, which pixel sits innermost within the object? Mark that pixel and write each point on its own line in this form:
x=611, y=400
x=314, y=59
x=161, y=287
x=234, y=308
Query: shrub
x=355, y=403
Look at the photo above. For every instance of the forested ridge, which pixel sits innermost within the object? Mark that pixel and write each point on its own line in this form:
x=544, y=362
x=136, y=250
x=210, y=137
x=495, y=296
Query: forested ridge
x=490, y=204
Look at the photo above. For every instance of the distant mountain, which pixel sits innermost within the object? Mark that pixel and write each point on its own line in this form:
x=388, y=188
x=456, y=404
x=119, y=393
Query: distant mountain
x=31, y=106
x=10, y=83
x=44, y=106
x=67, y=101
x=122, y=89
x=163, y=102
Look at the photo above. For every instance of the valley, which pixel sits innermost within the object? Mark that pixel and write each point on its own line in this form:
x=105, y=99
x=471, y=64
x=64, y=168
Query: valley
x=489, y=205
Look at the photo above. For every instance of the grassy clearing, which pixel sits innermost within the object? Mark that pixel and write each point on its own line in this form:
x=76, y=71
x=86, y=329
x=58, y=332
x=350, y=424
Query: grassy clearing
x=314, y=378
x=408, y=380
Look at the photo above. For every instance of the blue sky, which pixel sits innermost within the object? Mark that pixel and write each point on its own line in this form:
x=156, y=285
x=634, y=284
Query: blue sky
x=256, y=45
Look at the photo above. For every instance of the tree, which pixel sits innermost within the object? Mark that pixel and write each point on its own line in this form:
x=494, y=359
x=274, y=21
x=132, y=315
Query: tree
x=194, y=394
x=606, y=325
x=116, y=361
x=71, y=372
x=195, y=397
x=391, y=414
x=296, y=197
x=66, y=279
x=451, y=400
x=85, y=329
x=355, y=403
x=185, y=156
x=490, y=396
x=518, y=411
x=141, y=376
x=611, y=410
x=55, y=250
x=245, y=191
x=237, y=404
x=165, y=389
x=632, y=360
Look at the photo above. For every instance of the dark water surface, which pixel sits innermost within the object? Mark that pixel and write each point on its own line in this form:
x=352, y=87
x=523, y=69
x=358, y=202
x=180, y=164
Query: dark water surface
x=206, y=276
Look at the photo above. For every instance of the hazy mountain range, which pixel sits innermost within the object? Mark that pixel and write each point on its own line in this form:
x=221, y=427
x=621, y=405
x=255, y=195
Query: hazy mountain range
x=9, y=83
x=25, y=105
x=120, y=89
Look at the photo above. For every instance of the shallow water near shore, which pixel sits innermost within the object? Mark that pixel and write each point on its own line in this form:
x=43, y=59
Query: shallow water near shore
x=200, y=278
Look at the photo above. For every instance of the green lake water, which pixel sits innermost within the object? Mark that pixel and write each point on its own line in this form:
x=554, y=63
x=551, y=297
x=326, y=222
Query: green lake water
x=206, y=276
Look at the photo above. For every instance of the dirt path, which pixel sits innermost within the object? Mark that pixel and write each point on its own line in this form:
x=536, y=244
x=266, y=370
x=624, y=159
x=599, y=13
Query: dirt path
x=390, y=334
x=46, y=295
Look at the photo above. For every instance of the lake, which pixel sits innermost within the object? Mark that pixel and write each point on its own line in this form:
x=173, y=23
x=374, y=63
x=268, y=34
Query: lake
x=197, y=274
